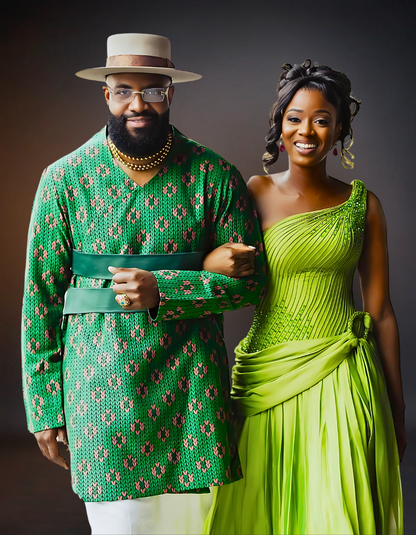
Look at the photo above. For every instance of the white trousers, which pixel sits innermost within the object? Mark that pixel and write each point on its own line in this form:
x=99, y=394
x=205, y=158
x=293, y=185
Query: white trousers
x=167, y=514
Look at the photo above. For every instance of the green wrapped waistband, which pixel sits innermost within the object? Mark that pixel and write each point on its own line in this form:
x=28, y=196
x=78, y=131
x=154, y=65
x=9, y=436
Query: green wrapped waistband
x=87, y=300
x=95, y=266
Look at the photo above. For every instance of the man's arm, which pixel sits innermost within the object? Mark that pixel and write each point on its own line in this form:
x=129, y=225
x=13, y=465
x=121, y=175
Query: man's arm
x=46, y=280
x=194, y=294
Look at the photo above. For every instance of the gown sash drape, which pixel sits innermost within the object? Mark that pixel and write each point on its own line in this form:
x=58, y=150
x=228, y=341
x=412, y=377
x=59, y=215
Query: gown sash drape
x=266, y=378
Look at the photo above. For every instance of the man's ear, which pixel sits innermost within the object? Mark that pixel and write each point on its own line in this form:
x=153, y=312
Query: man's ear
x=170, y=93
x=106, y=94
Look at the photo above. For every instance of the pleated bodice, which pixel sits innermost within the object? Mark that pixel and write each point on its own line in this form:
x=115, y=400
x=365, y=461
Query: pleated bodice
x=312, y=257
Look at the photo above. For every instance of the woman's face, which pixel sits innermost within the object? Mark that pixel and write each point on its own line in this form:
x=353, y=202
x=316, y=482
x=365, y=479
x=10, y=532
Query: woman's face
x=309, y=128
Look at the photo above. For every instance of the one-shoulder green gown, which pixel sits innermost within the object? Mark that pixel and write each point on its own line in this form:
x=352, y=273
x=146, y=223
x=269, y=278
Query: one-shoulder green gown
x=317, y=442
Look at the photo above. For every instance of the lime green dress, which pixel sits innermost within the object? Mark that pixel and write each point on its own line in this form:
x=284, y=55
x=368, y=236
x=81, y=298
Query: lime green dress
x=317, y=442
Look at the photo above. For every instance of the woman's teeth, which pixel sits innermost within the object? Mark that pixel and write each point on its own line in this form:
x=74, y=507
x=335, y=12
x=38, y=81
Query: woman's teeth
x=306, y=145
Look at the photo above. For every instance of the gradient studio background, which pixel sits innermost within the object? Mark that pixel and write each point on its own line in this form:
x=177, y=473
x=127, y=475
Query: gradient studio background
x=238, y=47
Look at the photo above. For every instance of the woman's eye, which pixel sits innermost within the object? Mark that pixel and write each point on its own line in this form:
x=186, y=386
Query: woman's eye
x=322, y=121
x=293, y=119
x=122, y=92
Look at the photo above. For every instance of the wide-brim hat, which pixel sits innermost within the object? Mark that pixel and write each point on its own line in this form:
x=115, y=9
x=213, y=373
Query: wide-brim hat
x=141, y=53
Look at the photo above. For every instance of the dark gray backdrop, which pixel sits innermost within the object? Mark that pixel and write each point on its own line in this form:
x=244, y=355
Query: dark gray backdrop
x=238, y=47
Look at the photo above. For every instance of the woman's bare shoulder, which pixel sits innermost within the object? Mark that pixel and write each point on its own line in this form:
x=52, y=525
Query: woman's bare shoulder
x=260, y=185
x=257, y=183
x=374, y=207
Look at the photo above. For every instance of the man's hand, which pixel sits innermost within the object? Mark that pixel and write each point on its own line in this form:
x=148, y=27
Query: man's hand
x=48, y=444
x=231, y=259
x=139, y=285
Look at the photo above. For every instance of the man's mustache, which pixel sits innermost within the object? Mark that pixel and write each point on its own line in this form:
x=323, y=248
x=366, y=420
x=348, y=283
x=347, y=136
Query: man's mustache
x=145, y=113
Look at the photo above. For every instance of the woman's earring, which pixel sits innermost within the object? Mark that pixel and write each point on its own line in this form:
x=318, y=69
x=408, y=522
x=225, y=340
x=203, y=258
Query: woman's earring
x=281, y=145
x=335, y=151
x=346, y=156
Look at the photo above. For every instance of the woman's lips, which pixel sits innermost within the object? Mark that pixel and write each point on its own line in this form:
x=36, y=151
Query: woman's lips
x=305, y=148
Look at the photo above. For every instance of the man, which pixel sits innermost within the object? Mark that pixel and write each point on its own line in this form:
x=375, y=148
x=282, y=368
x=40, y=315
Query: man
x=123, y=352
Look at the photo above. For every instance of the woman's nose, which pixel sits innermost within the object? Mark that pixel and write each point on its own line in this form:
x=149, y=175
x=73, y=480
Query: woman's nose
x=306, y=128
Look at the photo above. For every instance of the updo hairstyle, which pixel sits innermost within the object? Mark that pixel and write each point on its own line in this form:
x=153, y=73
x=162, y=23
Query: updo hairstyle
x=336, y=89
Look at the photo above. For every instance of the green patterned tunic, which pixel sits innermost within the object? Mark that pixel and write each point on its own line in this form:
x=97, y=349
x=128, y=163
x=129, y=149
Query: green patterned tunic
x=145, y=401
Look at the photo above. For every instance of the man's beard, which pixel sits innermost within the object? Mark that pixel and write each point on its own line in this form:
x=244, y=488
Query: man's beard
x=143, y=141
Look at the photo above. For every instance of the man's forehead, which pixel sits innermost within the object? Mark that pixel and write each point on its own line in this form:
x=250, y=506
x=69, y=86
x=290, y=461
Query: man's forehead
x=137, y=80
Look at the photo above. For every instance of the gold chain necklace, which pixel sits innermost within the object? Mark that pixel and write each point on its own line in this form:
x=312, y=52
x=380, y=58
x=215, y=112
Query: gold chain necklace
x=146, y=157
x=142, y=167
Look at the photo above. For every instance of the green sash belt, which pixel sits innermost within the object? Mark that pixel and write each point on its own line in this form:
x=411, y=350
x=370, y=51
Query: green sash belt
x=95, y=266
x=266, y=378
x=86, y=300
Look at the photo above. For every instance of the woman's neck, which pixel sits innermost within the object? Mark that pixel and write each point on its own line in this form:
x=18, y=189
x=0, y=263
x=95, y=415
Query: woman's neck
x=302, y=178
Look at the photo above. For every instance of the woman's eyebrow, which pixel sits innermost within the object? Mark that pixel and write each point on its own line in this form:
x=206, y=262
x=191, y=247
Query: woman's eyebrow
x=301, y=111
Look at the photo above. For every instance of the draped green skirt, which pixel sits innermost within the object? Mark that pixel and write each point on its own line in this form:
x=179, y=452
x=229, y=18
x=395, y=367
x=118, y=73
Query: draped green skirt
x=317, y=441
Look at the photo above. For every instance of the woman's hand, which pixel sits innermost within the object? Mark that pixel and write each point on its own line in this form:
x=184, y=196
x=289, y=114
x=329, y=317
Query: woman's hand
x=398, y=418
x=48, y=444
x=231, y=259
x=139, y=285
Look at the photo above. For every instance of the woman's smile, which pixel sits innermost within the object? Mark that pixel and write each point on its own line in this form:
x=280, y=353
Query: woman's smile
x=305, y=148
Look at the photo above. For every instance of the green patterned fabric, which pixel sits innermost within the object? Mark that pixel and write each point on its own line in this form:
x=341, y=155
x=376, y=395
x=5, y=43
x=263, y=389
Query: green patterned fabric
x=317, y=443
x=145, y=400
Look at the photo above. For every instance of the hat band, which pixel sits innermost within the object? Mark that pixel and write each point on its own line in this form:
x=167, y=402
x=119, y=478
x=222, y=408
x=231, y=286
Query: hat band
x=138, y=61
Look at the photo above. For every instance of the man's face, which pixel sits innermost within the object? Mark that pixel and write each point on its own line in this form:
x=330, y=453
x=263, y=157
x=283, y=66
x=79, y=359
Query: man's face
x=138, y=128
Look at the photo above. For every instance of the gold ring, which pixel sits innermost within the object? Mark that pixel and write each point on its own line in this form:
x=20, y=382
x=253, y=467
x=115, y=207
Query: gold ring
x=123, y=300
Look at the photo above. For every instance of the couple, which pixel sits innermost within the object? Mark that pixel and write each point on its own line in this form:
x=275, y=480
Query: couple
x=123, y=353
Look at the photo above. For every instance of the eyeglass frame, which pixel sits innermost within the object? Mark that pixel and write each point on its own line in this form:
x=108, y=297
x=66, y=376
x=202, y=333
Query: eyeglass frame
x=165, y=91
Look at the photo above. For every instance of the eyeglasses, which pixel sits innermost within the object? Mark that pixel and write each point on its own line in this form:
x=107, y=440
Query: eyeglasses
x=125, y=96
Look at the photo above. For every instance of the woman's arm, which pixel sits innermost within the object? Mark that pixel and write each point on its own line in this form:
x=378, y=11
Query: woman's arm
x=374, y=277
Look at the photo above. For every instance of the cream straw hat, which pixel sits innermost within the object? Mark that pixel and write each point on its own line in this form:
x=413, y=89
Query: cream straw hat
x=138, y=52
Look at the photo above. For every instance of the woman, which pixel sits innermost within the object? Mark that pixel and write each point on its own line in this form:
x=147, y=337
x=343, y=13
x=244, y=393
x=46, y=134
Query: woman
x=321, y=408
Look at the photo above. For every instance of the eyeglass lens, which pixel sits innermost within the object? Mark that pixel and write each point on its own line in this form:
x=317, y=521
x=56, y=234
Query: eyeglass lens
x=148, y=95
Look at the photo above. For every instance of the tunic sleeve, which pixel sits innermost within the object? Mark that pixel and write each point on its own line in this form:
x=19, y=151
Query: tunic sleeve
x=46, y=280
x=194, y=294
